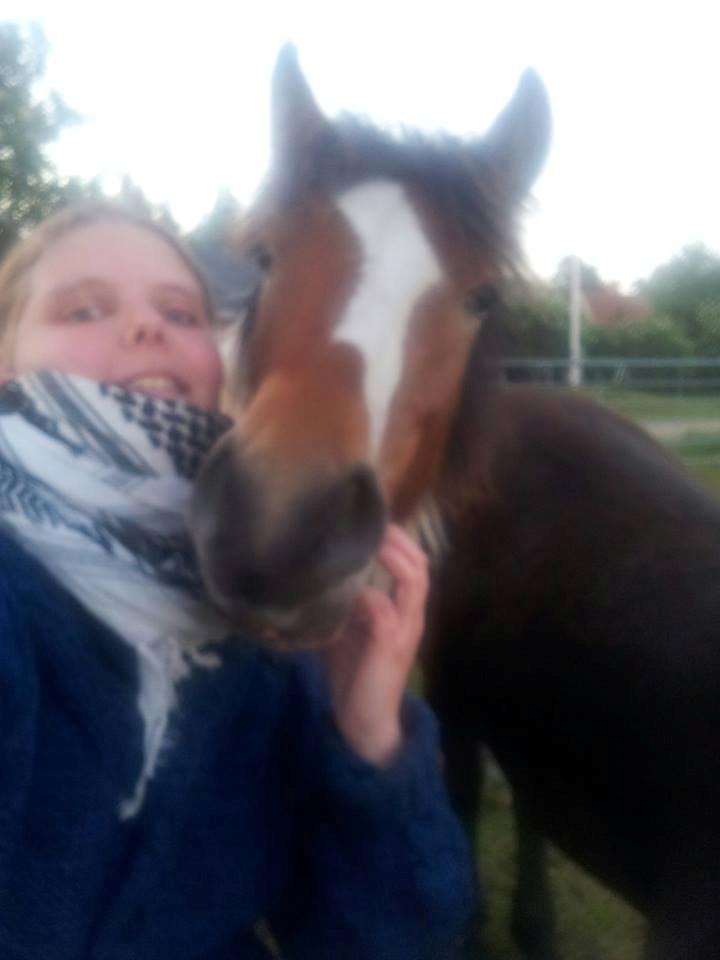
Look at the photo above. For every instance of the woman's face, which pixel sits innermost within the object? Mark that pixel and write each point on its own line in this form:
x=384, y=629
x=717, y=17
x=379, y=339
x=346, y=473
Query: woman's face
x=116, y=303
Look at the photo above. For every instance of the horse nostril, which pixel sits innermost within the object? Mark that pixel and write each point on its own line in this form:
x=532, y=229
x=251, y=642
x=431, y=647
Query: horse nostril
x=360, y=504
x=319, y=538
x=350, y=518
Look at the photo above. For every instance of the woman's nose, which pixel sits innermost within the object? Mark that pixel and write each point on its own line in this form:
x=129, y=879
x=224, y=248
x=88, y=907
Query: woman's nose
x=142, y=325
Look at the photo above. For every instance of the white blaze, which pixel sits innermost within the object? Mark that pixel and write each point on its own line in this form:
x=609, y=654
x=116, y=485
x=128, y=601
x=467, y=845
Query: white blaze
x=398, y=266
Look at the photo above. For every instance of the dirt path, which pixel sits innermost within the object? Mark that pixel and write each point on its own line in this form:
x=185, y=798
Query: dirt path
x=679, y=428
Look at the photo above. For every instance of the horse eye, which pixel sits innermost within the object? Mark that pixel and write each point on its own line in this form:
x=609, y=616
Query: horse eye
x=262, y=258
x=481, y=301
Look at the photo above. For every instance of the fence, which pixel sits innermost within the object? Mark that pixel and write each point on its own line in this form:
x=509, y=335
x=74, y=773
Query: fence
x=668, y=375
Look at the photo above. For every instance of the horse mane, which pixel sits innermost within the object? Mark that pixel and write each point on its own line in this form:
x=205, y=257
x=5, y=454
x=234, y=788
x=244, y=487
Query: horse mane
x=458, y=179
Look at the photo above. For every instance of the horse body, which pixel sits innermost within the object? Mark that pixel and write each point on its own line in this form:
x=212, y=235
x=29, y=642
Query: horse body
x=575, y=630
x=575, y=613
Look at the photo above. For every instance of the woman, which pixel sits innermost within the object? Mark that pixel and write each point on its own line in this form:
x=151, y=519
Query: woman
x=166, y=788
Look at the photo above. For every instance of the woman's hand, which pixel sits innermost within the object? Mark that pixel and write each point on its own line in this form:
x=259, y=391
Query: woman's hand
x=369, y=665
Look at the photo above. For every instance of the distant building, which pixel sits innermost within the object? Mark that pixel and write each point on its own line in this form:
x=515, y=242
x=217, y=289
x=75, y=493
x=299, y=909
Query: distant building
x=607, y=307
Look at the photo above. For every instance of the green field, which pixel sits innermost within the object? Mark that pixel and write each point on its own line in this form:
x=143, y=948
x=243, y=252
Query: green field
x=697, y=441
x=592, y=923
x=643, y=405
x=700, y=451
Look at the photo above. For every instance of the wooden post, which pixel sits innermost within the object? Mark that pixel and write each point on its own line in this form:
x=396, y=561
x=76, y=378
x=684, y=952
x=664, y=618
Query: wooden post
x=575, y=370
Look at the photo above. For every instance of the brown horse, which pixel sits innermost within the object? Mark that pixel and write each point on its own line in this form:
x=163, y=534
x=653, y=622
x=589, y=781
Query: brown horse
x=575, y=620
x=379, y=258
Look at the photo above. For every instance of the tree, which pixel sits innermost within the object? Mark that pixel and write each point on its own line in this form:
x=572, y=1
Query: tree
x=218, y=226
x=680, y=287
x=535, y=320
x=133, y=197
x=708, y=335
x=656, y=336
x=589, y=277
x=29, y=186
x=233, y=278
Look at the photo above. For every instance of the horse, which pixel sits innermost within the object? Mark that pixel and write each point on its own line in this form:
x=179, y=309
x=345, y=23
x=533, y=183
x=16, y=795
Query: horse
x=574, y=616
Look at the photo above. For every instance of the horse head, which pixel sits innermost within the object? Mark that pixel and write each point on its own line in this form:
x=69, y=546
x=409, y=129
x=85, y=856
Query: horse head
x=380, y=257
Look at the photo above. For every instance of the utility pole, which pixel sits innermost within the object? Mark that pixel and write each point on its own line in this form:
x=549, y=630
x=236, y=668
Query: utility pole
x=575, y=368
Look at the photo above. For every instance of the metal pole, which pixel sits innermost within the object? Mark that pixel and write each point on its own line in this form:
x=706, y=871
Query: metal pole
x=575, y=370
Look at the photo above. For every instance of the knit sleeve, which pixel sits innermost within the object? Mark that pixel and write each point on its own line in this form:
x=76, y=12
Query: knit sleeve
x=15, y=669
x=384, y=869
x=18, y=697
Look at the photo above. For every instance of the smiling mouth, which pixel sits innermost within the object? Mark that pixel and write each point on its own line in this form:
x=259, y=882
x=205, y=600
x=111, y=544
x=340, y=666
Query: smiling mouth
x=157, y=385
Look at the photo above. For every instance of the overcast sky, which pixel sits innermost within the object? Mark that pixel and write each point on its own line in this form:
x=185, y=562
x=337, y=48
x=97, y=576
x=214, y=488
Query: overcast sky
x=177, y=95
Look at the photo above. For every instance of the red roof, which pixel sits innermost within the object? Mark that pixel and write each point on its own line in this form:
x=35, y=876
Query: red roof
x=608, y=307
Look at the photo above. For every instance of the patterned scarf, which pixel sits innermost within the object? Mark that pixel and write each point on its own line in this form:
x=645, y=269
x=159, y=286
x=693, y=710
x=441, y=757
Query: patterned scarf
x=95, y=482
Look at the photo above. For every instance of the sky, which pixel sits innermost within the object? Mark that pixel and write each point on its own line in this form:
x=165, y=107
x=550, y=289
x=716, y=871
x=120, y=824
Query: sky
x=177, y=96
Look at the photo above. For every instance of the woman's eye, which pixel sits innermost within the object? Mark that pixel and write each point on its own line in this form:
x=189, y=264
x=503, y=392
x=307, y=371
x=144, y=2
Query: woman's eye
x=86, y=313
x=181, y=317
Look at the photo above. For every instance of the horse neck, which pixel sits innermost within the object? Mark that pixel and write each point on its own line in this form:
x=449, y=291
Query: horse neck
x=466, y=473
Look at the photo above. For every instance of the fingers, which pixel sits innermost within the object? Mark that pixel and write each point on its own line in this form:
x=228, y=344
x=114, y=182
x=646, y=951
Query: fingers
x=395, y=620
x=368, y=676
x=373, y=605
x=408, y=565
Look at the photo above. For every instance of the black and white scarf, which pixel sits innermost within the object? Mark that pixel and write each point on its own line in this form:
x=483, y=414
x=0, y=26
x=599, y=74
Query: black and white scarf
x=95, y=481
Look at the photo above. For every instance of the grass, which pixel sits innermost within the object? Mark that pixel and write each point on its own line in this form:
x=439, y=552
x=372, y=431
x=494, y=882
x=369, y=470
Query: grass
x=698, y=448
x=698, y=445
x=707, y=474
x=700, y=452
x=592, y=923
x=643, y=405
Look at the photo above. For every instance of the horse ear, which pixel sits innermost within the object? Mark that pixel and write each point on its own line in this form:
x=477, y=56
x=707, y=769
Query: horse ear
x=518, y=141
x=297, y=122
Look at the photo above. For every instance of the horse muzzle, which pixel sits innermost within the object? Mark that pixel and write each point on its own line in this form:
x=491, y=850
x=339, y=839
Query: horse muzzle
x=284, y=557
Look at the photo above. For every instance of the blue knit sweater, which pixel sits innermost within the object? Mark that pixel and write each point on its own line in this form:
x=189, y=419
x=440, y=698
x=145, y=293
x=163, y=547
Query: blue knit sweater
x=257, y=809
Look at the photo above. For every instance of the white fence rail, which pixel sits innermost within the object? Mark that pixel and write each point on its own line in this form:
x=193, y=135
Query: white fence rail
x=656, y=374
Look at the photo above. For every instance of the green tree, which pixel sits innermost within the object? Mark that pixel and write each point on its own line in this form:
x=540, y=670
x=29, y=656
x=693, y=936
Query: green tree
x=535, y=319
x=218, y=226
x=655, y=337
x=680, y=288
x=589, y=277
x=233, y=277
x=132, y=196
x=29, y=186
x=708, y=334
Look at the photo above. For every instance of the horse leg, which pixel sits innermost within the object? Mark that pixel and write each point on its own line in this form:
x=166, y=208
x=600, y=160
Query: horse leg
x=533, y=914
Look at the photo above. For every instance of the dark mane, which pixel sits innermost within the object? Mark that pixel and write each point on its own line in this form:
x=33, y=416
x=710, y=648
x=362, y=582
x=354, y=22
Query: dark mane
x=457, y=177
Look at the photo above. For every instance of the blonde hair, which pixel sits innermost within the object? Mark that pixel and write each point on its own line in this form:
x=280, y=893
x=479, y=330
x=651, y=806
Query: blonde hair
x=17, y=267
